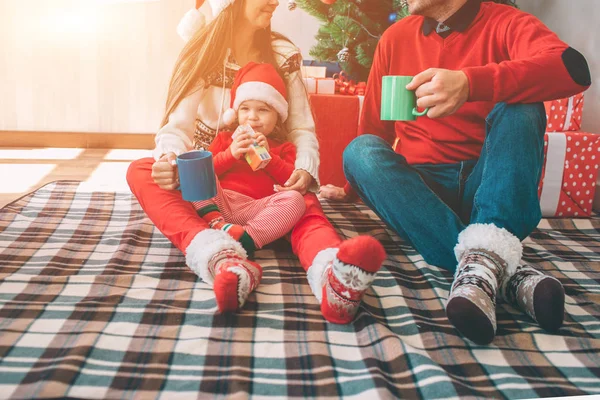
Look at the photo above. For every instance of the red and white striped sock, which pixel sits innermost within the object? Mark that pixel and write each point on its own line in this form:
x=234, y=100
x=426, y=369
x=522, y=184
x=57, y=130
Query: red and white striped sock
x=212, y=215
x=347, y=278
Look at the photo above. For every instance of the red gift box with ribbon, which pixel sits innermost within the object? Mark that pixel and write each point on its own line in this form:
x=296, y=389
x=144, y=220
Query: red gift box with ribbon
x=564, y=114
x=569, y=174
x=348, y=87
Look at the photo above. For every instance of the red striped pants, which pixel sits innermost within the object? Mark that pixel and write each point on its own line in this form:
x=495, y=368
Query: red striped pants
x=266, y=219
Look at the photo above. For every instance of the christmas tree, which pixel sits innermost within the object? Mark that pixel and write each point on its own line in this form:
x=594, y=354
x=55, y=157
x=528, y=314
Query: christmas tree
x=352, y=28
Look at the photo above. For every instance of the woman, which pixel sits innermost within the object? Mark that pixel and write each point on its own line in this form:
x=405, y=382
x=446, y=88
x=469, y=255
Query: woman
x=239, y=32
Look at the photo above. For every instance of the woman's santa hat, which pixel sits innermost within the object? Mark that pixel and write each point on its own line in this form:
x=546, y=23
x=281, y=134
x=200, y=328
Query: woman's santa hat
x=257, y=82
x=195, y=19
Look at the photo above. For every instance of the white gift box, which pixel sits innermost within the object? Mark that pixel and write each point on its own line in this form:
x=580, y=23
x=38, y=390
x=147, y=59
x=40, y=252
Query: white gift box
x=313, y=71
x=320, y=85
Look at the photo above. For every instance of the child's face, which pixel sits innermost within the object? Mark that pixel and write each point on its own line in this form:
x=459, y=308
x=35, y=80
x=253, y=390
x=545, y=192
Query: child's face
x=258, y=115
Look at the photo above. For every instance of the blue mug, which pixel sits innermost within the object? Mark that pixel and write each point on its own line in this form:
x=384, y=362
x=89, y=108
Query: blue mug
x=196, y=175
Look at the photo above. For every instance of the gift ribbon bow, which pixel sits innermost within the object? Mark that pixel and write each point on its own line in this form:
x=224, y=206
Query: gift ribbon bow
x=348, y=87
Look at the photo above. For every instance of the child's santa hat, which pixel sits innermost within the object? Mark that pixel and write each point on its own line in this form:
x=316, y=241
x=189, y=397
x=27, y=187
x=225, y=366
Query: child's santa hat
x=257, y=82
x=194, y=19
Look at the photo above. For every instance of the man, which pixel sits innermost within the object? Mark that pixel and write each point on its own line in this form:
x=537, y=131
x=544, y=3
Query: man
x=461, y=183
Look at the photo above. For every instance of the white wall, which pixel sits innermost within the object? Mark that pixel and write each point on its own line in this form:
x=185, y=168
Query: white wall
x=86, y=65
x=576, y=23
x=297, y=25
x=98, y=65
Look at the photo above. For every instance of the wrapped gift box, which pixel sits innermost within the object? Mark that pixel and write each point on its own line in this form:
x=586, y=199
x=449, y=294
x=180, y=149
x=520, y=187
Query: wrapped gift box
x=336, y=125
x=564, y=114
x=320, y=85
x=569, y=174
x=308, y=71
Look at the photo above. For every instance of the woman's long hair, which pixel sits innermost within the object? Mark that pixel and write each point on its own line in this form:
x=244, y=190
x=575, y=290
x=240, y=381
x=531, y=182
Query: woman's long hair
x=205, y=53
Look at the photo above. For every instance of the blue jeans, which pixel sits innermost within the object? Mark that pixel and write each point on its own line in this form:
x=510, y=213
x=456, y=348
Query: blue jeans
x=428, y=205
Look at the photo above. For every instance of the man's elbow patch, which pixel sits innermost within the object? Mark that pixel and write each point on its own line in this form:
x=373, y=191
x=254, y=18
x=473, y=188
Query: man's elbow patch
x=577, y=66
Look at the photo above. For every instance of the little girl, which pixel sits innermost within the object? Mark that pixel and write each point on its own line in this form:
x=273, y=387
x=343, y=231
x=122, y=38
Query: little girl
x=246, y=205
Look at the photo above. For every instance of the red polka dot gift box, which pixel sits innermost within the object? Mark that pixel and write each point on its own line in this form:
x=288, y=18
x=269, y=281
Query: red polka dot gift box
x=564, y=114
x=569, y=174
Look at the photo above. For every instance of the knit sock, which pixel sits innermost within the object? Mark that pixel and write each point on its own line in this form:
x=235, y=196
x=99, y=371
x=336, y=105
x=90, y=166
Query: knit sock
x=234, y=279
x=540, y=296
x=348, y=276
x=215, y=220
x=471, y=306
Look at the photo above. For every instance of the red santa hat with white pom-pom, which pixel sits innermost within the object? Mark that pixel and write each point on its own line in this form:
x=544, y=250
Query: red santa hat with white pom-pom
x=257, y=82
x=194, y=19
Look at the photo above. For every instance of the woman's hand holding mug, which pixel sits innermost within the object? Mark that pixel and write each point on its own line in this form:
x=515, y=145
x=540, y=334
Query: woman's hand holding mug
x=165, y=173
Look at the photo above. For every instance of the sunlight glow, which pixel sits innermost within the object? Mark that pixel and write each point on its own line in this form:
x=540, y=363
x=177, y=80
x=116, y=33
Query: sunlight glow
x=76, y=20
x=124, y=1
x=71, y=18
x=21, y=177
x=127, y=154
x=40, y=154
x=108, y=177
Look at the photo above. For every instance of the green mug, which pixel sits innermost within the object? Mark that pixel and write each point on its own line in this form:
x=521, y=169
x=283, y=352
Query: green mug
x=397, y=102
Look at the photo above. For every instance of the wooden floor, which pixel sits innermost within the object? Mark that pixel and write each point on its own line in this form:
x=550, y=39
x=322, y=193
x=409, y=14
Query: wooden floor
x=25, y=169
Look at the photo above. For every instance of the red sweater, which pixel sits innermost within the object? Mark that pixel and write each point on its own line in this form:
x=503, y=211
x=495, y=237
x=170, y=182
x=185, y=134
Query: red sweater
x=507, y=55
x=237, y=175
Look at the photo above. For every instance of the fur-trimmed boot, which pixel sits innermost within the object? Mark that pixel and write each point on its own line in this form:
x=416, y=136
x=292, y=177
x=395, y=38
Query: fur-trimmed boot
x=339, y=277
x=485, y=254
x=222, y=262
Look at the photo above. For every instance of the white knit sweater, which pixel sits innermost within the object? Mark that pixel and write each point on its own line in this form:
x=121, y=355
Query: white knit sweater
x=177, y=135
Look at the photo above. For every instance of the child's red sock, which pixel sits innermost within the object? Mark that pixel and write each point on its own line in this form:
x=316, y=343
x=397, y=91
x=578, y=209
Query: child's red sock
x=348, y=277
x=212, y=215
x=234, y=279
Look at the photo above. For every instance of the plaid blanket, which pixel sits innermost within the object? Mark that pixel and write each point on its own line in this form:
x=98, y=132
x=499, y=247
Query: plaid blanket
x=96, y=303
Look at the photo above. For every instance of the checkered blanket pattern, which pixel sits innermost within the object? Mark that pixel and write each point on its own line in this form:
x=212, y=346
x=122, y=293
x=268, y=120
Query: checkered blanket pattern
x=96, y=303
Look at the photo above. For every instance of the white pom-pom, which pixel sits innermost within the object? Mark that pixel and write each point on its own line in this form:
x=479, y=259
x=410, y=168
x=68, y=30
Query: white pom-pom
x=229, y=116
x=190, y=23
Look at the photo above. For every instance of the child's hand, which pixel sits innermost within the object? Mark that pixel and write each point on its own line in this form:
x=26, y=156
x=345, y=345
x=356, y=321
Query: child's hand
x=165, y=173
x=262, y=140
x=240, y=145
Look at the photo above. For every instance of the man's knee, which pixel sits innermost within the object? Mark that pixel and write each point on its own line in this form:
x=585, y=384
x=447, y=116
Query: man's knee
x=531, y=114
x=528, y=115
x=359, y=154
